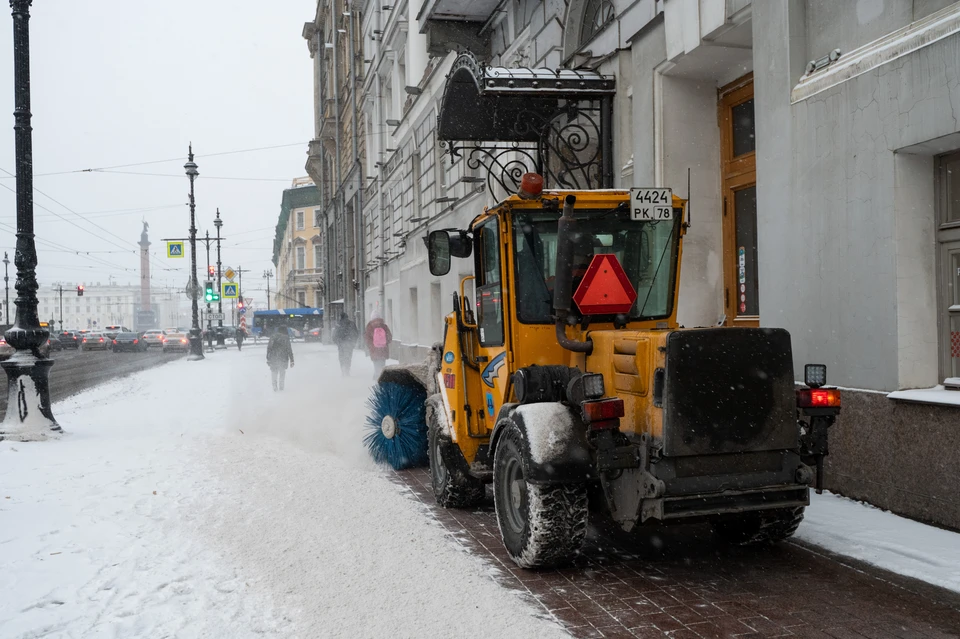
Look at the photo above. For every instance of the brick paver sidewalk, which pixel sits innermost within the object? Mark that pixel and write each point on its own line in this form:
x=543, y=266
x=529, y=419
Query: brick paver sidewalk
x=678, y=583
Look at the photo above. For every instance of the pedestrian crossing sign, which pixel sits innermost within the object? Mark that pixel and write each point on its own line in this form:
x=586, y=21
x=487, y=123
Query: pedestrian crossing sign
x=175, y=249
x=229, y=291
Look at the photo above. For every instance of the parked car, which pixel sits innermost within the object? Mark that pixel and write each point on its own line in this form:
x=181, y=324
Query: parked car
x=129, y=342
x=111, y=332
x=313, y=335
x=175, y=342
x=153, y=337
x=54, y=343
x=6, y=350
x=94, y=342
x=69, y=339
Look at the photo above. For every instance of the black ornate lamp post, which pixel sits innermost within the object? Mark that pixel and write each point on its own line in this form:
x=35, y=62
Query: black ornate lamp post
x=221, y=338
x=29, y=417
x=6, y=285
x=196, y=339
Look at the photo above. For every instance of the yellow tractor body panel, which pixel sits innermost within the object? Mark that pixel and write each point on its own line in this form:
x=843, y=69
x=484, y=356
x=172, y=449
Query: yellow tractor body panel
x=627, y=360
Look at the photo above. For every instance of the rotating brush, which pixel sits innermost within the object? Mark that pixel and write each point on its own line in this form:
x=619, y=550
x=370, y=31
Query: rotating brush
x=396, y=426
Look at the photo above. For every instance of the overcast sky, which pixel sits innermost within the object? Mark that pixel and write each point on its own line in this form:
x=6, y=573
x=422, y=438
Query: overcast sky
x=118, y=82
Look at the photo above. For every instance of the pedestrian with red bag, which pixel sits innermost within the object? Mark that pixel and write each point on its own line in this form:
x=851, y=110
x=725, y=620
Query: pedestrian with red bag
x=378, y=337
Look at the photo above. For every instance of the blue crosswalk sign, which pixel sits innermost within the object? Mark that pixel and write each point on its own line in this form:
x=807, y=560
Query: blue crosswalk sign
x=229, y=291
x=174, y=249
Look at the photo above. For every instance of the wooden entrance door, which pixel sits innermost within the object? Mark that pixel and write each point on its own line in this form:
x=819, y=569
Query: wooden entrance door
x=741, y=277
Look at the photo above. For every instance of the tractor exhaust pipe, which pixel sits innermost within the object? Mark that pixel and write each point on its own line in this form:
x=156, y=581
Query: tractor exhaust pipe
x=563, y=283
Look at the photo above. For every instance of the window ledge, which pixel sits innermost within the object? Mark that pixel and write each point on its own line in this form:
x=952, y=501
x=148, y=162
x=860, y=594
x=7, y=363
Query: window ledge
x=935, y=395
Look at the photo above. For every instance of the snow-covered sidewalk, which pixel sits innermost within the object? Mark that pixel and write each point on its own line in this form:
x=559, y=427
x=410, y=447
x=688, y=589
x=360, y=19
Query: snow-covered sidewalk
x=192, y=501
x=883, y=539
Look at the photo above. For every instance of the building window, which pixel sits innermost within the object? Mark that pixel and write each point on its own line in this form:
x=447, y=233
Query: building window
x=741, y=296
x=316, y=218
x=317, y=256
x=318, y=299
x=301, y=258
x=299, y=220
x=596, y=15
x=948, y=262
x=302, y=299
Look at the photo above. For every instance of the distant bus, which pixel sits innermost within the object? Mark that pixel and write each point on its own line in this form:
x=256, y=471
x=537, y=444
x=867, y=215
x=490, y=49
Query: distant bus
x=299, y=320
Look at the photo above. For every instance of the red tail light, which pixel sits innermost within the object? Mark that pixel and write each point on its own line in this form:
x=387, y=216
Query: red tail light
x=136, y=341
x=602, y=409
x=818, y=398
x=101, y=339
x=114, y=341
x=183, y=341
x=84, y=340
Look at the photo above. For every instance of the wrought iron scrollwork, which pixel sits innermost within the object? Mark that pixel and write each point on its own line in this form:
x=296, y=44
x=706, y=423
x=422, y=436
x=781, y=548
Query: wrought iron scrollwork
x=570, y=148
x=567, y=154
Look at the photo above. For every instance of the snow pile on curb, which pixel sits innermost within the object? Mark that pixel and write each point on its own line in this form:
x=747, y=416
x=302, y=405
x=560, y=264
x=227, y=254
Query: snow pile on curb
x=882, y=539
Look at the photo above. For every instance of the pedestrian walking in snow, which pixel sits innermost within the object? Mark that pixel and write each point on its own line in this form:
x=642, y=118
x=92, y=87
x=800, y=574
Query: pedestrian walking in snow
x=239, y=337
x=378, y=337
x=345, y=337
x=279, y=354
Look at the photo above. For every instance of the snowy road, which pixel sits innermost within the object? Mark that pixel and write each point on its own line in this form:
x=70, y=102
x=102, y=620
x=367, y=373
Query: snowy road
x=192, y=501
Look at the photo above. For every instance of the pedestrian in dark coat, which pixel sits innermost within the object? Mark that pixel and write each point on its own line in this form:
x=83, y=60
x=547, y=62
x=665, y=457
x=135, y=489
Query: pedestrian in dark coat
x=279, y=354
x=345, y=337
x=377, y=335
x=239, y=337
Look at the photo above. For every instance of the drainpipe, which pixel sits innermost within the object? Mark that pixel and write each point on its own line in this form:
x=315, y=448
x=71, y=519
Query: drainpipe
x=358, y=198
x=382, y=264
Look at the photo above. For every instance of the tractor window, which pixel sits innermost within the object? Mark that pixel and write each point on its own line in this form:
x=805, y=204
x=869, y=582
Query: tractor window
x=489, y=299
x=646, y=250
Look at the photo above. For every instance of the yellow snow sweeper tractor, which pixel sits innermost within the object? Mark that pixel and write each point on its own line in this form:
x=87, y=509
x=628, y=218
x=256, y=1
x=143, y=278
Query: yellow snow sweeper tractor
x=568, y=382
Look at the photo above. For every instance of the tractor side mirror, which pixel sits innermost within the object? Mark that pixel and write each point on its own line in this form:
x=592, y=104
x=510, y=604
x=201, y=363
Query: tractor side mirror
x=438, y=251
x=445, y=244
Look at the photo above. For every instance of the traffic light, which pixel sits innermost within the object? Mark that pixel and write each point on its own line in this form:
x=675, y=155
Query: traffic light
x=211, y=271
x=80, y=290
x=240, y=305
x=208, y=292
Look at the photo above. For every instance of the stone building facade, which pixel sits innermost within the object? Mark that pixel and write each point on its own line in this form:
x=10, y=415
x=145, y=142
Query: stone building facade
x=818, y=139
x=299, y=250
x=336, y=154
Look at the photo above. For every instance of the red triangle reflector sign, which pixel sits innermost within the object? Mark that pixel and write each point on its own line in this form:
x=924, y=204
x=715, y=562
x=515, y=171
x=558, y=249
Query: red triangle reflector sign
x=605, y=288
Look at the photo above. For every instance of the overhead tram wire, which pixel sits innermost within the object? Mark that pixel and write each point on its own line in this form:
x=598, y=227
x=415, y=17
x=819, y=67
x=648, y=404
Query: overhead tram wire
x=206, y=177
x=105, y=230
x=82, y=254
x=177, y=159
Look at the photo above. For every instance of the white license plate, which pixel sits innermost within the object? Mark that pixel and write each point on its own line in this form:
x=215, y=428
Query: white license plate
x=651, y=205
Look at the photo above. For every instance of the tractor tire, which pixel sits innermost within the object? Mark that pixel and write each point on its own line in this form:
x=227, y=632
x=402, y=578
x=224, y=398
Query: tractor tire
x=541, y=525
x=453, y=486
x=759, y=527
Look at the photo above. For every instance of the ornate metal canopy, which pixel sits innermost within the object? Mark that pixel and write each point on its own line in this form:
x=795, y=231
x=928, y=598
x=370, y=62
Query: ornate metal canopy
x=510, y=121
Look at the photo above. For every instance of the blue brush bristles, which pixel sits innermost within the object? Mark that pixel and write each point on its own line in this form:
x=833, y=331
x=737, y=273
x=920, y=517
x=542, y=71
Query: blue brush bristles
x=405, y=404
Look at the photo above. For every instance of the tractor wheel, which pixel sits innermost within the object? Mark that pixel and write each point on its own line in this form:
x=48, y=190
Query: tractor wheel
x=759, y=527
x=541, y=525
x=453, y=486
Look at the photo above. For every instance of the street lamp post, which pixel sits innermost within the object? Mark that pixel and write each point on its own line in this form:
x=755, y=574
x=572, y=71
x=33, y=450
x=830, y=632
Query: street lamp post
x=29, y=417
x=267, y=275
x=221, y=338
x=6, y=285
x=196, y=341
